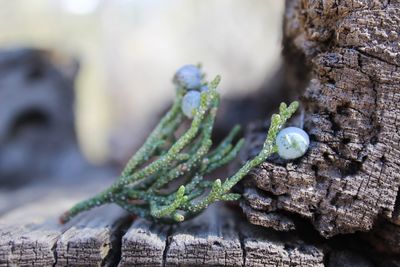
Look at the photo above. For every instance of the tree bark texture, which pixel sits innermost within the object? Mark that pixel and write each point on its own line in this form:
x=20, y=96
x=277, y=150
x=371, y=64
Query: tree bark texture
x=350, y=177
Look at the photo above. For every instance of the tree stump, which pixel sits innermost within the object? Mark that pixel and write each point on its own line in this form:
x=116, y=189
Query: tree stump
x=349, y=179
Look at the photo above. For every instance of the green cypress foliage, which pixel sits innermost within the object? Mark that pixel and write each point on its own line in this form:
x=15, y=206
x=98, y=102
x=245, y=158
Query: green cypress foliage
x=165, y=159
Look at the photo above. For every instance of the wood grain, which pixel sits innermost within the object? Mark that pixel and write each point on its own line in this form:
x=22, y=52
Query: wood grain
x=93, y=239
x=211, y=240
x=31, y=235
x=144, y=244
x=267, y=248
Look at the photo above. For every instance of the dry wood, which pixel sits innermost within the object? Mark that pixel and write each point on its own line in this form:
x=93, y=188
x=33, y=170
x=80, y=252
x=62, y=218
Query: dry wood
x=144, y=244
x=93, y=240
x=272, y=220
x=216, y=238
x=351, y=175
x=28, y=235
x=31, y=234
x=267, y=248
x=209, y=240
x=28, y=245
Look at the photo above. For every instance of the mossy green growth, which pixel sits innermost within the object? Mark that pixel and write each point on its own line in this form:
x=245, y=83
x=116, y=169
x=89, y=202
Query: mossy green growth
x=165, y=160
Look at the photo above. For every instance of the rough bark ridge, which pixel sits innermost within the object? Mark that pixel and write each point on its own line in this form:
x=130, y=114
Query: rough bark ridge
x=351, y=175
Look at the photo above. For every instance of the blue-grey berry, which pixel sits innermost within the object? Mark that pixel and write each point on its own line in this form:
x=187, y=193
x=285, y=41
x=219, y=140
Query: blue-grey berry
x=292, y=143
x=204, y=88
x=188, y=76
x=190, y=102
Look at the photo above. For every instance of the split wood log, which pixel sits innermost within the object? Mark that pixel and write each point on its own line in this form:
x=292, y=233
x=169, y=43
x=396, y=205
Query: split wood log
x=350, y=176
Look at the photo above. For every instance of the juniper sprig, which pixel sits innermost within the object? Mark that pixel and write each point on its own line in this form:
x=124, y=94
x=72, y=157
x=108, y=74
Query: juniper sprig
x=166, y=159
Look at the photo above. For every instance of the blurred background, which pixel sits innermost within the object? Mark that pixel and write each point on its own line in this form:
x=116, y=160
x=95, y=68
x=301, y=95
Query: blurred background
x=127, y=52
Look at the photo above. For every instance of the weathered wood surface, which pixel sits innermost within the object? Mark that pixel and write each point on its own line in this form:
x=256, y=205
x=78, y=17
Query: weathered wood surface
x=94, y=239
x=28, y=236
x=272, y=220
x=28, y=245
x=216, y=238
x=90, y=242
x=350, y=177
x=31, y=235
x=144, y=244
x=267, y=248
x=211, y=239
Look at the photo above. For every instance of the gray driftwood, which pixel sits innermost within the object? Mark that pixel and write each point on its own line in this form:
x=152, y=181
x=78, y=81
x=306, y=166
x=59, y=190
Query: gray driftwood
x=93, y=240
x=216, y=238
x=211, y=239
x=28, y=235
x=144, y=244
x=350, y=177
x=28, y=245
x=31, y=235
x=267, y=248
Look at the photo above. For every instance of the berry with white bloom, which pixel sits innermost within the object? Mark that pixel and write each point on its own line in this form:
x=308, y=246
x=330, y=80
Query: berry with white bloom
x=188, y=76
x=190, y=102
x=292, y=143
x=204, y=88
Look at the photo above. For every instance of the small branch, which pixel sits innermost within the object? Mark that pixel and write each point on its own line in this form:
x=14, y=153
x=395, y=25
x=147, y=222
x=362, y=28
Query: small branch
x=155, y=166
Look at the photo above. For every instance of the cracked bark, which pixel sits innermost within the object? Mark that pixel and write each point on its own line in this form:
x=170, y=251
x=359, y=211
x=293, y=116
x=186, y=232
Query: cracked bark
x=350, y=177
